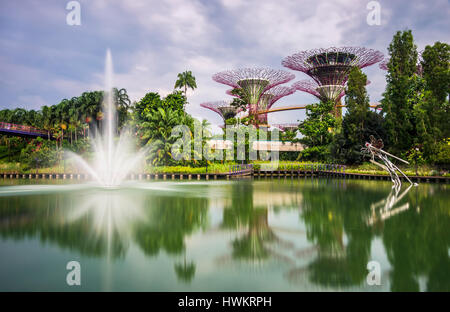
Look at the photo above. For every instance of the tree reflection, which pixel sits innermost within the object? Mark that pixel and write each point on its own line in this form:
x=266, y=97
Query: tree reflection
x=418, y=240
x=243, y=215
x=104, y=223
x=341, y=223
x=330, y=215
x=168, y=221
x=185, y=271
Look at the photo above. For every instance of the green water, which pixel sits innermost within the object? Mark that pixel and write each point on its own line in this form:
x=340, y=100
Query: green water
x=260, y=235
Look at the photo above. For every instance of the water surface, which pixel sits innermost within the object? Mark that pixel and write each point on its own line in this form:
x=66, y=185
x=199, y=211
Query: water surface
x=260, y=235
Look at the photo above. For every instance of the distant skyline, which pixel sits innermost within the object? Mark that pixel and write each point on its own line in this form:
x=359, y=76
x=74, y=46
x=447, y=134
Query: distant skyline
x=43, y=60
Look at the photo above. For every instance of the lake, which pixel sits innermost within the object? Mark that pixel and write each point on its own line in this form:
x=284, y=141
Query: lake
x=285, y=234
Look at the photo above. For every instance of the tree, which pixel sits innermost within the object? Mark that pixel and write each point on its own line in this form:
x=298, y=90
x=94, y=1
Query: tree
x=240, y=100
x=436, y=70
x=123, y=104
x=359, y=122
x=185, y=80
x=317, y=130
x=398, y=110
x=157, y=133
x=433, y=111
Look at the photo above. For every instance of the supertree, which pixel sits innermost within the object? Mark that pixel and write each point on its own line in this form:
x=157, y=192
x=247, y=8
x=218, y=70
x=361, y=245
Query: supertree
x=335, y=92
x=269, y=97
x=230, y=92
x=253, y=82
x=329, y=68
x=223, y=108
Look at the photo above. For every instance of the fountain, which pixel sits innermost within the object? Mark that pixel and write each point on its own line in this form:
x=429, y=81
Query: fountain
x=113, y=161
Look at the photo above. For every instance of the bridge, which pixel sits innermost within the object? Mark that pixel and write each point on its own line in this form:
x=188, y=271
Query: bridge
x=22, y=131
x=286, y=108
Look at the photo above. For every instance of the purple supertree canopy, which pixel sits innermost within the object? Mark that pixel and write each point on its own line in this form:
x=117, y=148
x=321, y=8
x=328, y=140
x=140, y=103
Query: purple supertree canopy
x=331, y=66
x=270, y=96
x=253, y=81
x=229, y=93
x=323, y=93
x=383, y=64
x=223, y=108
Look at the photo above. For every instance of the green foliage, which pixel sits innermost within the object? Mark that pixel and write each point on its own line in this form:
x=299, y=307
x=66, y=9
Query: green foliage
x=231, y=121
x=359, y=122
x=436, y=69
x=396, y=103
x=157, y=134
x=185, y=80
x=415, y=156
x=443, y=153
x=317, y=130
x=39, y=153
x=152, y=101
x=240, y=100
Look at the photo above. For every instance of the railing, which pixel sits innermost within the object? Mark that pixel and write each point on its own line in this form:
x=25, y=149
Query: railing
x=23, y=128
x=241, y=169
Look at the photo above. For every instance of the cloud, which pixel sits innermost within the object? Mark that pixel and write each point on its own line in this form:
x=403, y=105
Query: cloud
x=44, y=60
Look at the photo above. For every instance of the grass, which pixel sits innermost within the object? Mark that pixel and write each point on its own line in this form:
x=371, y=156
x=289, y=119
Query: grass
x=366, y=168
x=369, y=168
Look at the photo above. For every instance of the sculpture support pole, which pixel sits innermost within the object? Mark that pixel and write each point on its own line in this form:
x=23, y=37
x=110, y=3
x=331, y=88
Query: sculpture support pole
x=388, y=165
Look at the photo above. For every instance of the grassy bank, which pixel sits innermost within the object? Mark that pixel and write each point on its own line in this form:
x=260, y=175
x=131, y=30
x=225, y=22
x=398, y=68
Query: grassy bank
x=366, y=168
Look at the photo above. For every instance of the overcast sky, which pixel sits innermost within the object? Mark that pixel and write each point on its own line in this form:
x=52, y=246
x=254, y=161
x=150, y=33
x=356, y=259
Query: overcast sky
x=43, y=60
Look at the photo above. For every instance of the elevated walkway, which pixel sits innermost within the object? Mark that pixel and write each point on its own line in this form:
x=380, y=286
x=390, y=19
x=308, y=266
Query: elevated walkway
x=22, y=131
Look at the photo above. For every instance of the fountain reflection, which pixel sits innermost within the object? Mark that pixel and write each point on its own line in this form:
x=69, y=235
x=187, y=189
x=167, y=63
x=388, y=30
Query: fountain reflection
x=310, y=233
x=105, y=223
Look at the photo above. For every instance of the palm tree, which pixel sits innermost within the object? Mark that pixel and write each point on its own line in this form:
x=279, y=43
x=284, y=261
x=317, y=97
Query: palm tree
x=47, y=119
x=185, y=80
x=158, y=133
x=123, y=104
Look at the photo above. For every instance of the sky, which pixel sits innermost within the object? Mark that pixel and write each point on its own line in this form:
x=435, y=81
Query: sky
x=44, y=60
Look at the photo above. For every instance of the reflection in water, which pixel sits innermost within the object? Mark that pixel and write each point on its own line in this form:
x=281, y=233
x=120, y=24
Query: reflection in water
x=384, y=209
x=111, y=215
x=327, y=244
x=247, y=213
x=103, y=222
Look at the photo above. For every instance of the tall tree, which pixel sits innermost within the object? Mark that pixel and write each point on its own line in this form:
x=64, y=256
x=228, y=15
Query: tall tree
x=359, y=122
x=185, y=80
x=398, y=110
x=317, y=130
x=436, y=70
x=434, y=109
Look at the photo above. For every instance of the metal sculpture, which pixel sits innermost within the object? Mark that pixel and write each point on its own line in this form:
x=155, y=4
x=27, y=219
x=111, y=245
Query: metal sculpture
x=334, y=92
x=329, y=69
x=270, y=97
x=253, y=82
x=375, y=149
x=223, y=108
